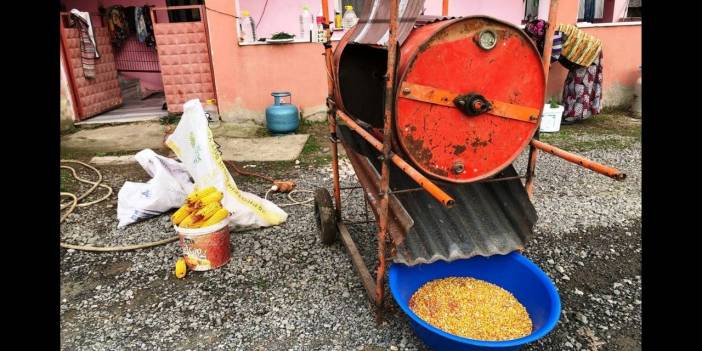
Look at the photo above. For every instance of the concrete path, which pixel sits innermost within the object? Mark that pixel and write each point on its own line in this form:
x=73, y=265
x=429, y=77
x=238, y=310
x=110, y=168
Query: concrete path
x=278, y=148
x=124, y=137
x=237, y=142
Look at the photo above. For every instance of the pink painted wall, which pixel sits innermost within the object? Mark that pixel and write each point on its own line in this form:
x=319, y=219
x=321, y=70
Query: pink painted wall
x=246, y=75
x=280, y=15
x=622, y=57
x=621, y=47
x=507, y=10
x=149, y=80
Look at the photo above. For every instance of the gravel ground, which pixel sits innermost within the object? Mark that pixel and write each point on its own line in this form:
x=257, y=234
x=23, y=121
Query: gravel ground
x=282, y=290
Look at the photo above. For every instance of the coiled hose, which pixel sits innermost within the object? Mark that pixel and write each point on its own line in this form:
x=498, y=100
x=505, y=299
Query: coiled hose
x=281, y=186
x=74, y=203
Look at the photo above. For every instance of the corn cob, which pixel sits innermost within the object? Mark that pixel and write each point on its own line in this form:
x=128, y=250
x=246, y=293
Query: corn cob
x=197, y=195
x=190, y=220
x=208, y=199
x=221, y=214
x=179, y=216
x=180, y=268
x=206, y=212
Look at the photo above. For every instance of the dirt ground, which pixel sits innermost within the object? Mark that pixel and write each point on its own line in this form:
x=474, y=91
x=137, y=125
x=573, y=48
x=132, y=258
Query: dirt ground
x=283, y=290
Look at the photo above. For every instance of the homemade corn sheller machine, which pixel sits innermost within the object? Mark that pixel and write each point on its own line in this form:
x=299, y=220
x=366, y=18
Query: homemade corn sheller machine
x=432, y=111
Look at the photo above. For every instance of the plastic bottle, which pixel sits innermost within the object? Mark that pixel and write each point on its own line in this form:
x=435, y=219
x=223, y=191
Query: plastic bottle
x=306, y=24
x=350, y=18
x=211, y=110
x=337, y=21
x=247, y=28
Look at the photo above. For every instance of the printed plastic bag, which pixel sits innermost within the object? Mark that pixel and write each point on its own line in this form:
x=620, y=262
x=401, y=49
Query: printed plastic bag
x=193, y=143
x=167, y=189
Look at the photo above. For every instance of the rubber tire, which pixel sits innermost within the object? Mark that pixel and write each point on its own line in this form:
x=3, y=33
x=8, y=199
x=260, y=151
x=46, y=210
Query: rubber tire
x=325, y=216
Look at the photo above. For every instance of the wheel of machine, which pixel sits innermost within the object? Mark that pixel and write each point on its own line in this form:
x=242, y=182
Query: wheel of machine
x=324, y=213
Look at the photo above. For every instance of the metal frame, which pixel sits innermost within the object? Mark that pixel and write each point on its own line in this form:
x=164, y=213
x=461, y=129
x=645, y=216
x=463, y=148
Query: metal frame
x=380, y=198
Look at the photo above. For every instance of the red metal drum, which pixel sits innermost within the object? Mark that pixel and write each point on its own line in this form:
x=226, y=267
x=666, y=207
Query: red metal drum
x=469, y=98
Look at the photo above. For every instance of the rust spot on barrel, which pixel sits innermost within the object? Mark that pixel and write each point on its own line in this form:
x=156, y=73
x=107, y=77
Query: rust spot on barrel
x=458, y=149
x=422, y=154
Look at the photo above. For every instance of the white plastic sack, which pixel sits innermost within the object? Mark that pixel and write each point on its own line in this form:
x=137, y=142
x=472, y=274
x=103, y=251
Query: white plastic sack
x=193, y=143
x=169, y=186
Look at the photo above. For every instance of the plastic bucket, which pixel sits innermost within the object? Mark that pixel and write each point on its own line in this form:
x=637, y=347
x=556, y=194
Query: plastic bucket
x=205, y=248
x=551, y=119
x=513, y=272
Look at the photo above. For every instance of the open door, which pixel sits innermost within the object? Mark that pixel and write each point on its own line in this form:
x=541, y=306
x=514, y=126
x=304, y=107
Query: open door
x=91, y=96
x=184, y=54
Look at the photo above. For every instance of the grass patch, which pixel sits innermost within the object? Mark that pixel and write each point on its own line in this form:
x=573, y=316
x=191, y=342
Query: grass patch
x=605, y=131
x=172, y=118
x=66, y=180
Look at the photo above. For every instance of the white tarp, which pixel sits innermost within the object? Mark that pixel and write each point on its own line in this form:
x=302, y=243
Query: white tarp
x=169, y=186
x=192, y=142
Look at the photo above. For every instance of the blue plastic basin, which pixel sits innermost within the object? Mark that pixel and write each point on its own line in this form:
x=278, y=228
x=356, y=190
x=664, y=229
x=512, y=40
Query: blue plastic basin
x=513, y=272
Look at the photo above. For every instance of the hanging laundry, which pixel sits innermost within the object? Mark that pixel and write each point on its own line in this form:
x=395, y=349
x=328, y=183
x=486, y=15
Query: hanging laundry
x=582, y=91
x=140, y=24
x=149, y=38
x=117, y=25
x=579, y=47
x=536, y=30
x=88, y=47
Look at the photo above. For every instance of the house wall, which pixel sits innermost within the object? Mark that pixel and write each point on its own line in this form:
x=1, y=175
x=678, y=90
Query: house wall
x=149, y=80
x=246, y=75
x=67, y=113
x=621, y=45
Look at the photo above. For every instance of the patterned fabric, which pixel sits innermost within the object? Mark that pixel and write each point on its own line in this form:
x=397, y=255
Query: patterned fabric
x=88, y=51
x=579, y=47
x=582, y=91
x=558, y=38
x=149, y=39
x=140, y=24
x=536, y=30
x=117, y=25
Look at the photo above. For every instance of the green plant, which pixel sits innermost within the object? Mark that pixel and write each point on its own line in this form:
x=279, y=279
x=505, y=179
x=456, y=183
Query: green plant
x=282, y=35
x=553, y=102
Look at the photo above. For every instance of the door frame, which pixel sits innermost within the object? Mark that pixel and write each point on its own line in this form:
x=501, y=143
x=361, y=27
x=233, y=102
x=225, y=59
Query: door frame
x=203, y=19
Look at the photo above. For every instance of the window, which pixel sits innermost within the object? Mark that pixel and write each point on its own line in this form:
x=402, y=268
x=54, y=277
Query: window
x=531, y=10
x=633, y=10
x=184, y=15
x=608, y=11
x=591, y=11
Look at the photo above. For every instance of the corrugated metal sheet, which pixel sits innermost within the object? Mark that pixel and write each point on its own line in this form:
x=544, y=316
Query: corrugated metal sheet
x=488, y=217
x=374, y=25
x=425, y=19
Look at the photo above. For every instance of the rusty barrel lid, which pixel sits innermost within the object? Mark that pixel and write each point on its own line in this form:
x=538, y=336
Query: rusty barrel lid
x=469, y=98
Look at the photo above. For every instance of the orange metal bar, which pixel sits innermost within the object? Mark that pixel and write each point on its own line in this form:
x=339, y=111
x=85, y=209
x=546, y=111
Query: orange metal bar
x=425, y=183
x=546, y=61
x=444, y=8
x=386, y=150
x=445, y=98
x=579, y=160
x=518, y=112
x=330, y=108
